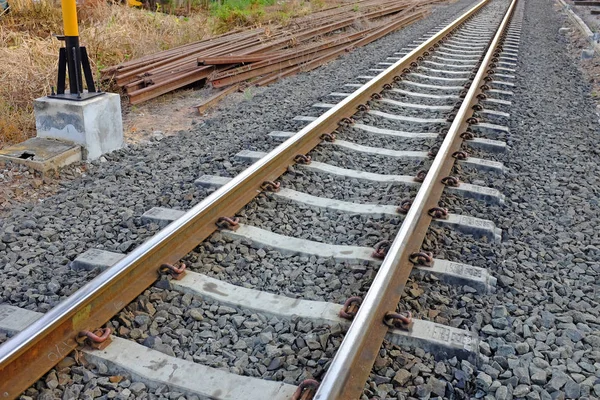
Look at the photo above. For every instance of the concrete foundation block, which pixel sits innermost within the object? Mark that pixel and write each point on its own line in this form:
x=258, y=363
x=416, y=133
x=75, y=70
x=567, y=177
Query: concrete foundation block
x=95, y=123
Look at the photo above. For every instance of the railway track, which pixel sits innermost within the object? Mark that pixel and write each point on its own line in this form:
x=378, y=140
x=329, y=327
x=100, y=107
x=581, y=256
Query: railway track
x=327, y=300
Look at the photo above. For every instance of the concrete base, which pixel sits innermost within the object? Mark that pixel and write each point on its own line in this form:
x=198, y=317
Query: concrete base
x=95, y=123
x=42, y=154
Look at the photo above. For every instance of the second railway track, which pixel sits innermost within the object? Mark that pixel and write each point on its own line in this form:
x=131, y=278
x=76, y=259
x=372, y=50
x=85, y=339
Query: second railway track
x=261, y=293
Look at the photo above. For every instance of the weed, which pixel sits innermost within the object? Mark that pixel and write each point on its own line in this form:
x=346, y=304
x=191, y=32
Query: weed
x=248, y=93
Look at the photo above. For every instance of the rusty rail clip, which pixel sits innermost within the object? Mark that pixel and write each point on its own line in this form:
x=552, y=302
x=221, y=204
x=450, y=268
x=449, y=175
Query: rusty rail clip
x=98, y=339
x=423, y=259
x=381, y=249
x=433, y=152
x=420, y=177
x=346, y=121
x=404, y=206
x=228, y=223
x=460, y=155
x=306, y=390
x=302, y=159
x=350, y=307
x=451, y=181
x=270, y=186
x=398, y=321
x=328, y=137
x=467, y=135
x=176, y=272
x=438, y=212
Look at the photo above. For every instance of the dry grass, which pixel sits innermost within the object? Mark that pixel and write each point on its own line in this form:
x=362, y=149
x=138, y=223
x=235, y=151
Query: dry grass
x=112, y=33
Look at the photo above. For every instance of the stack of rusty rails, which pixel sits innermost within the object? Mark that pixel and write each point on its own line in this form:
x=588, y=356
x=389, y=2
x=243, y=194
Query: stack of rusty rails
x=589, y=3
x=260, y=56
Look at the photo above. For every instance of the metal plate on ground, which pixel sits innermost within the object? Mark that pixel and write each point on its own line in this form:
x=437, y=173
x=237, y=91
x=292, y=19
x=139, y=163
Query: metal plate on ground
x=42, y=154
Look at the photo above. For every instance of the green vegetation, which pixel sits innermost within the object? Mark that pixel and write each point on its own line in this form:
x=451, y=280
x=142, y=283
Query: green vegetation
x=230, y=13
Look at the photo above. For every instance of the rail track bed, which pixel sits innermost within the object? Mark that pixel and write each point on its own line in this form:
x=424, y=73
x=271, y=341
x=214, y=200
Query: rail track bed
x=361, y=258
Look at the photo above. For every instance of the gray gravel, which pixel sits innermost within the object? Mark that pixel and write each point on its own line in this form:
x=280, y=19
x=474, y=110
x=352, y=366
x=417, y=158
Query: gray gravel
x=361, y=137
x=318, y=224
x=311, y=278
x=545, y=311
x=102, y=208
x=542, y=326
x=242, y=342
x=403, y=373
x=341, y=188
x=375, y=163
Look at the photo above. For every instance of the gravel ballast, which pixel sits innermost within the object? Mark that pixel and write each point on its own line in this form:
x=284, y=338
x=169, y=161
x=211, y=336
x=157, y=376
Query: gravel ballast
x=102, y=208
x=542, y=326
x=540, y=331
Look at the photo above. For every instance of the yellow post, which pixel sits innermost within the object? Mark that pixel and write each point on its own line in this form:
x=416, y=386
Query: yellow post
x=69, y=11
x=73, y=57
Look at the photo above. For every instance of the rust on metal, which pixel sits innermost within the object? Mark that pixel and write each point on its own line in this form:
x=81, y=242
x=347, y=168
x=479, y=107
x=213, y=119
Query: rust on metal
x=228, y=223
x=176, y=272
x=438, y=212
x=306, y=390
x=460, y=155
x=398, y=321
x=466, y=135
x=404, y=206
x=350, y=307
x=265, y=54
x=420, y=177
x=451, y=181
x=346, y=121
x=328, y=137
x=98, y=339
x=302, y=159
x=381, y=249
x=421, y=258
x=214, y=99
x=271, y=186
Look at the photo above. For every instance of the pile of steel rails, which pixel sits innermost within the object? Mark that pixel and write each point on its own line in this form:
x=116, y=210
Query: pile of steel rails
x=260, y=56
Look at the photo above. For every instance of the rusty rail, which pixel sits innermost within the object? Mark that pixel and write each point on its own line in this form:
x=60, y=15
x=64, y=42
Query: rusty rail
x=264, y=54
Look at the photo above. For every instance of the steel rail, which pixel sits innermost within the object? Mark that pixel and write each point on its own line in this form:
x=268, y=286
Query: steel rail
x=28, y=355
x=350, y=368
